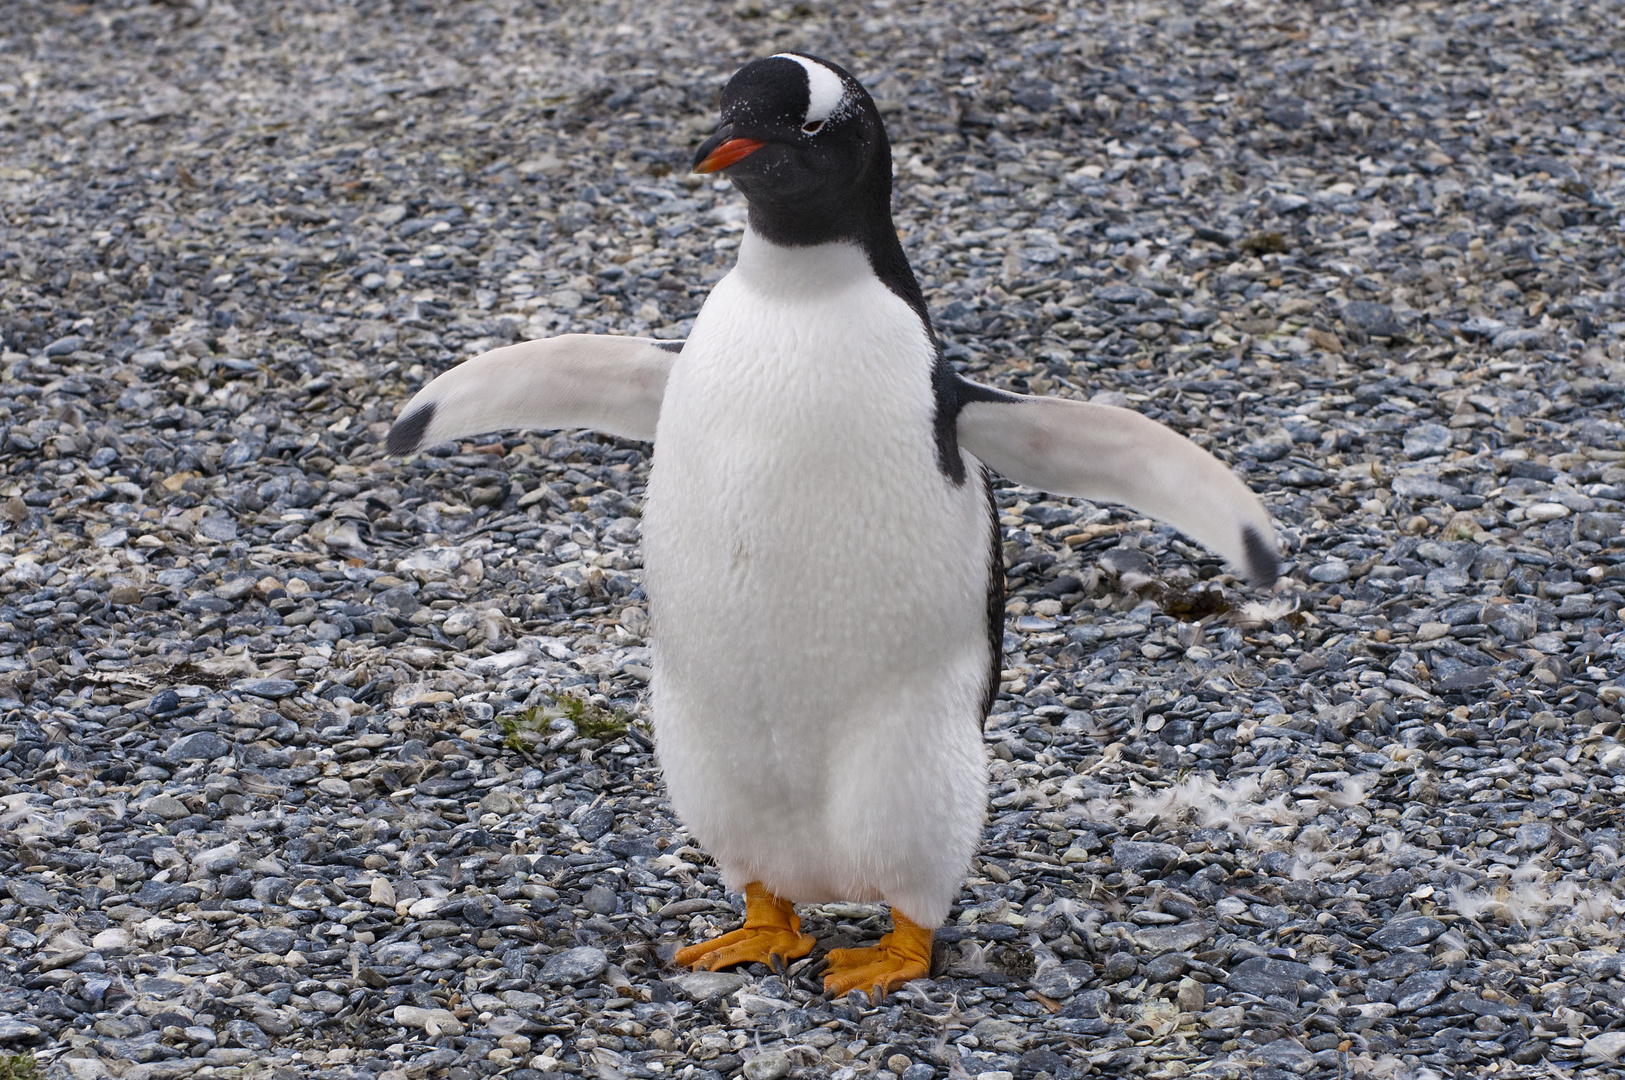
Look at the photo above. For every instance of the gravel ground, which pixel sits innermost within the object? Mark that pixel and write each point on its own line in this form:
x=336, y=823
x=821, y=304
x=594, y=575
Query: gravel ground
x=321, y=764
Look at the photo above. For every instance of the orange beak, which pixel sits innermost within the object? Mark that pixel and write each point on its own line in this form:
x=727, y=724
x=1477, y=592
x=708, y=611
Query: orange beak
x=729, y=153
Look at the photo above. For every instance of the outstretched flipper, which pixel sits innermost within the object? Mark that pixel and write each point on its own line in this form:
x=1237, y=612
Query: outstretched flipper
x=610, y=384
x=1101, y=452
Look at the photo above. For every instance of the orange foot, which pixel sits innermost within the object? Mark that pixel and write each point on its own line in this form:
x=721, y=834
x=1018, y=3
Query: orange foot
x=772, y=929
x=901, y=955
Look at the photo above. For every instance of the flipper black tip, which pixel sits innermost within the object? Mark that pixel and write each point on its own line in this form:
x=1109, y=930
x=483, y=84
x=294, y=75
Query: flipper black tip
x=669, y=346
x=407, y=434
x=1262, y=565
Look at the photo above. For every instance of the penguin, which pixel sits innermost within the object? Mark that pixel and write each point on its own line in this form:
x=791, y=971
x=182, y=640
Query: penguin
x=821, y=548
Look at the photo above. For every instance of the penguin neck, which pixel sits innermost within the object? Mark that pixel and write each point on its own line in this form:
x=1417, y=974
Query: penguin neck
x=800, y=271
x=832, y=244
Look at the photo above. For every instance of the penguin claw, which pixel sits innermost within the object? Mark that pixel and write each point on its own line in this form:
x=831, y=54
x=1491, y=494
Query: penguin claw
x=746, y=946
x=772, y=931
x=900, y=957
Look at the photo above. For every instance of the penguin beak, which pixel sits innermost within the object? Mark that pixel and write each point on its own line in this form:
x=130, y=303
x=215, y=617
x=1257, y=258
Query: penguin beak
x=722, y=150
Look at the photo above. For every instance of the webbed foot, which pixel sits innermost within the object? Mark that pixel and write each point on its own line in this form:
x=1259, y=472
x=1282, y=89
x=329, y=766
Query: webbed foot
x=772, y=929
x=900, y=956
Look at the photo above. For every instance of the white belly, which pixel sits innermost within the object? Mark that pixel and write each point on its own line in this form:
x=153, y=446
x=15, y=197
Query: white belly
x=818, y=594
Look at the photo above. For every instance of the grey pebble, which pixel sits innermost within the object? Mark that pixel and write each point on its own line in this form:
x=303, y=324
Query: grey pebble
x=1407, y=933
x=1063, y=980
x=199, y=746
x=1268, y=977
x=266, y=688
x=1141, y=856
x=1420, y=989
x=16, y=1031
x=574, y=965
x=1425, y=440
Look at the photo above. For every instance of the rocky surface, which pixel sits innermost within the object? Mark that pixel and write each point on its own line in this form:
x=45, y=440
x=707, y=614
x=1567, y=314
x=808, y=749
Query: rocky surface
x=320, y=764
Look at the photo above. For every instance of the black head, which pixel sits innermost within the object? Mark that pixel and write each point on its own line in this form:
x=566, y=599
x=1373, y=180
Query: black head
x=804, y=142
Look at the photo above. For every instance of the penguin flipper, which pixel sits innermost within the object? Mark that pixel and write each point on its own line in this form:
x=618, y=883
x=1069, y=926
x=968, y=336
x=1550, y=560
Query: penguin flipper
x=1101, y=452
x=611, y=384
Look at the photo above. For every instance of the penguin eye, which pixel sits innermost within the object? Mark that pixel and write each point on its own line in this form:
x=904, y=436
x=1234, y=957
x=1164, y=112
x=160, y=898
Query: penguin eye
x=813, y=127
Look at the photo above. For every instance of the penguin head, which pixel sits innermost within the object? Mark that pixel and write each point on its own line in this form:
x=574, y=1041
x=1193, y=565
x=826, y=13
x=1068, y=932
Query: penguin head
x=804, y=143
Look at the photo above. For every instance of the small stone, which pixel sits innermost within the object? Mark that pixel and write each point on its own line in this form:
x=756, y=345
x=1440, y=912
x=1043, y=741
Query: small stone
x=308, y=897
x=705, y=985
x=1063, y=980
x=1532, y=837
x=1545, y=511
x=1330, y=573
x=1518, y=339
x=246, y=1034
x=1420, y=989
x=1286, y=1053
x=1425, y=440
x=220, y=530
x=30, y=894
x=1120, y=966
x=266, y=688
x=1608, y=1046
x=1191, y=995
x=15, y=1031
x=1270, y=447
x=1515, y=622
x=1264, y=976
x=1124, y=294
x=199, y=746
x=1172, y=937
x=574, y=965
x=163, y=895
x=218, y=860
x=601, y=900
x=1407, y=933
x=500, y=803
x=166, y=806
x=772, y=1065
x=596, y=823
x=1167, y=967
x=64, y=345
x=1371, y=318
x=1141, y=856
x=270, y=939
x=432, y=1022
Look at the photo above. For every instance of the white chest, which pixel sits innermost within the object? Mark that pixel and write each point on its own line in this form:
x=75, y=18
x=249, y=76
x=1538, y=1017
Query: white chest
x=795, y=469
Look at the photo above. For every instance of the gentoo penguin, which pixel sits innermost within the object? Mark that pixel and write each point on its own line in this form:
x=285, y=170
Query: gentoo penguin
x=821, y=550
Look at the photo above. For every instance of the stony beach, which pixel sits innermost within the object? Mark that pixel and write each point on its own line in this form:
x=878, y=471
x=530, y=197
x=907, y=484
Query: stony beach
x=316, y=763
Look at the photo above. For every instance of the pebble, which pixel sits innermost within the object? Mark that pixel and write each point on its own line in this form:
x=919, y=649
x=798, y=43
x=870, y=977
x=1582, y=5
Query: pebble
x=1268, y=977
x=1408, y=933
x=16, y=1031
x=1425, y=440
x=772, y=1065
x=574, y=965
x=199, y=746
x=433, y=1022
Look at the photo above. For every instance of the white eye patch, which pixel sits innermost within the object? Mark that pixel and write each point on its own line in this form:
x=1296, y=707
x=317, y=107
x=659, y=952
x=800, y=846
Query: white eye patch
x=825, y=90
